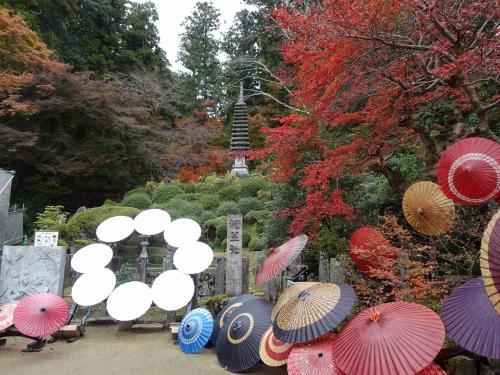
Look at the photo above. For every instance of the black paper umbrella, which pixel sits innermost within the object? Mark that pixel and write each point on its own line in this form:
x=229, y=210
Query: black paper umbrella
x=226, y=312
x=239, y=340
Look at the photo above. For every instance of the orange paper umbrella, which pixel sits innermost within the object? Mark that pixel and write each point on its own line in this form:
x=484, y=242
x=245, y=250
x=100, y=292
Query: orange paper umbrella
x=40, y=314
x=314, y=358
x=273, y=352
x=7, y=314
x=427, y=209
x=490, y=260
x=292, y=291
x=392, y=338
x=432, y=369
x=469, y=171
x=370, y=250
x=279, y=258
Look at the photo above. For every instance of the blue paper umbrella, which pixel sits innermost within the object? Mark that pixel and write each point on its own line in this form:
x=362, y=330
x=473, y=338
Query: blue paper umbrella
x=195, y=330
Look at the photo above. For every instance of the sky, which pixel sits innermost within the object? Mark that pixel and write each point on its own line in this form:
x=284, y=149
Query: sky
x=173, y=12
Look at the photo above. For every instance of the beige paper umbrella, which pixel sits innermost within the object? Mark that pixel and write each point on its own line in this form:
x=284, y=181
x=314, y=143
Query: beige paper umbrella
x=292, y=291
x=490, y=261
x=427, y=209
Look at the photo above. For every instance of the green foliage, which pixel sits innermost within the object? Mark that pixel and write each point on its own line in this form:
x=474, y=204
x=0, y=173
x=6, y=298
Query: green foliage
x=137, y=200
x=257, y=243
x=52, y=218
x=250, y=187
x=246, y=238
x=142, y=190
x=220, y=224
x=227, y=208
x=203, y=188
x=179, y=208
x=250, y=204
x=257, y=217
x=165, y=192
x=207, y=215
x=83, y=224
x=208, y=201
x=215, y=303
x=230, y=193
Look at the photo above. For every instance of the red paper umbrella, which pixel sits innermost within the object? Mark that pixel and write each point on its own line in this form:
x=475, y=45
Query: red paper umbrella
x=7, y=314
x=432, y=369
x=40, y=314
x=314, y=358
x=469, y=171
x=273, y=352
x=392, y=338
x=279, y=258
x=370, y=250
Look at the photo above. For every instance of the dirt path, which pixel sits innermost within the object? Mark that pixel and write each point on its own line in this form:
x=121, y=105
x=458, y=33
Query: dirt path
x=105, y=350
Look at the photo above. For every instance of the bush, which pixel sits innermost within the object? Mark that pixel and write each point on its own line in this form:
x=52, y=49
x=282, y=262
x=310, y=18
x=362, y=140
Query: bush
x=141, y=190
x=83, y=224
x=257, y=217
x=220, y=224
x=52, y=218
x=165, y=192
x=249, y=204
x=227, y=208
x=246, y=238
x=202, y=187
x=208, y=201
x=137, y=200
x=230, y=193
x=207, y=215
x=224, y=244
x=257, y=243
x=179, y=208
x=189, y=187
x=249, y=187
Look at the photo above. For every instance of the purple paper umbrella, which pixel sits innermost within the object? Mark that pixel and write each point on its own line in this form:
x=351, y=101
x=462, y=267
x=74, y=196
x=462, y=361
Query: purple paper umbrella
x=471, y=321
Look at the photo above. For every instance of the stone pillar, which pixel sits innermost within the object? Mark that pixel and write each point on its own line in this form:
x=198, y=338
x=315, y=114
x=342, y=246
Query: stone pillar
x=5, y=188
x=142, y=260
x=220, y=275
x=323, y=268
x=245, y=273
x=273, y=289
x=337, y=272
x=234, y=261
x=168, y=264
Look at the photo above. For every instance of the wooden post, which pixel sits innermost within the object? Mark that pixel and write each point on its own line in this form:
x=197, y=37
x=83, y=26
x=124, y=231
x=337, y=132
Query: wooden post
x=234, y=261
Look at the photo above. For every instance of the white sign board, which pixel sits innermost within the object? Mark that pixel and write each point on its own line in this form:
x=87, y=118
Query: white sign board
x=47, y=239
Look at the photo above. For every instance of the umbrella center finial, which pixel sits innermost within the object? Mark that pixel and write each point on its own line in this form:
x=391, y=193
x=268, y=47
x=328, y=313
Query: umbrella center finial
x=420, y=210
x=375, y=316
x=188, y=327
x=43, y=309
x=320, y=355
x=237, y=326
x=303, y=295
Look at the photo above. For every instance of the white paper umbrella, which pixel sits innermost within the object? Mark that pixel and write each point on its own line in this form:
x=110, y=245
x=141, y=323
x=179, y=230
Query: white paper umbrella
x=93, y=287
x=91, y=258
x=129, y=301
x=151, y=222
x=193, y=258
x=172, y=290
x=182, y=232
x=115, y=229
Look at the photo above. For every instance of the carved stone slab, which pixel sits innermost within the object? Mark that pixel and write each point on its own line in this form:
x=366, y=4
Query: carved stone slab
x=27, y=270
x=234, y=261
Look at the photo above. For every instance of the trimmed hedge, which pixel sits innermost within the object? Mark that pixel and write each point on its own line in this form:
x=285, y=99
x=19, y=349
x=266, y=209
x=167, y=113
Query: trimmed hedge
x=249, y=187
x=141, y=190
x=257, y=243
x=227, y=208
x=179, y=208
x=84, y=224
x=249, y=204
x=165, y=192
x=257, y=217
x=137, y=200
x=230, y=193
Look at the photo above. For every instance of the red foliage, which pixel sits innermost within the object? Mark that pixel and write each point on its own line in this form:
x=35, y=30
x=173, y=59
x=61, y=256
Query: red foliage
x=367, y=66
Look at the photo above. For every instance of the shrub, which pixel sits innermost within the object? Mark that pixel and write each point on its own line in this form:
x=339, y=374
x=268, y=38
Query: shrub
x=246, y=238
x=165, y=192
x=189, y=187
x=52, y=218
x=203, y=188
x=137, y=200
x=224, y=244
x=83, y=224
x=220, y=224
x=141, y=190
x=227, y=208
x=230, y=193
x=257, y=217
x=249, y=204
x=209, y=201
x=257, y=243
x=179, y=208
x=207, y=215
x=249, y=187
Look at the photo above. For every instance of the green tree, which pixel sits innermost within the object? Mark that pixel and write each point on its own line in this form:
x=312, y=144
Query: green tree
x=199, y=49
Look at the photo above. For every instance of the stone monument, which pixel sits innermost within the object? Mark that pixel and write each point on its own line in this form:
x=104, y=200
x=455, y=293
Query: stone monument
x=5, y=187
x=27, y=270
x=240, y=138
x=234, y=256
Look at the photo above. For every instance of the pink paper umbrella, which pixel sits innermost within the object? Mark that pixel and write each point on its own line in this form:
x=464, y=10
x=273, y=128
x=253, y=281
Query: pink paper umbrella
x=40, y=314
x=7, y=314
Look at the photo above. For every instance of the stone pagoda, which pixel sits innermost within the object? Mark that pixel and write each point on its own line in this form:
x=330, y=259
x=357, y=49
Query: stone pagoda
x=239, y=136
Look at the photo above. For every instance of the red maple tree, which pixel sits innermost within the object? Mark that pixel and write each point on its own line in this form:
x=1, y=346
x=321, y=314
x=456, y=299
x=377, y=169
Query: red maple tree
x=366, y=67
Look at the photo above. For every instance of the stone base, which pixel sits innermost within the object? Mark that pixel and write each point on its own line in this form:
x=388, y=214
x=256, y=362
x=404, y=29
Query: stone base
x=240, y=168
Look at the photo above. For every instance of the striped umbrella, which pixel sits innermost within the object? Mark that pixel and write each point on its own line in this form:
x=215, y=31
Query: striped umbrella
x=469, y=171
x=226, y=313
x=427, y=209
x=314, y=312
x=273, y=352
x=471, y=321
x=279, y=259
x=7, y=314
x=195, y=330
x=239, y=340
x=490, y=260
x=432, y=369
x=292, y=291
x=314, y=358
x=392, y=338
x=40, y=314
x=370, y=250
